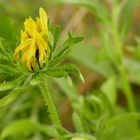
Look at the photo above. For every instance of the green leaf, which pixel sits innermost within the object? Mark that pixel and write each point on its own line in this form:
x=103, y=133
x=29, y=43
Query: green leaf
x=109, y=51
x=7, y=86
x=122, y=118
x=5, y=50
x=63, y=52
x=34, y=82
x=97, y=103
x=63, y=132
x=56, y=33
x=27, y=126
x=63, y=70
x=71, y=68
x=134, y=70
x=69, y=90
x=12, y=84
x=88, y=55
x=109, y=89
x=56, y=72
x=74, y=40
x=5, y=32
x=126, y=15
x=8, y=70
x=122, y=126
x=8, y=98
x=77, y=122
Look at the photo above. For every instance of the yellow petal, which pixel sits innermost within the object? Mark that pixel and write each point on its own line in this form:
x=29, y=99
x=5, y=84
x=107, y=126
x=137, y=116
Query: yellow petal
x=44, y=43
x=43, y=20
x=24, y=56
x=30, y=26
x=24, y=36
x=22, y=46
x=38, y=24
x=33, y=38
x=42, y=54
x=31, y=55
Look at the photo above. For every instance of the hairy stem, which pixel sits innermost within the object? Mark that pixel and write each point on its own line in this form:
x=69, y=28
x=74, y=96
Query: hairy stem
x=49, y=102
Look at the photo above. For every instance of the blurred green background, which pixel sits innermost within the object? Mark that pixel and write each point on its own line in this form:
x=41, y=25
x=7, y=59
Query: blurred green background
x=96, y=58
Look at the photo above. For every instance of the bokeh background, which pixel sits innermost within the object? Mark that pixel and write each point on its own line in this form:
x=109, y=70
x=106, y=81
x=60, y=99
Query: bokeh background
x=88, y=55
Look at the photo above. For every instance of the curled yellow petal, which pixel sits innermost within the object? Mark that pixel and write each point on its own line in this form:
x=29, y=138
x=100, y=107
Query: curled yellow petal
x=43, y=20
x=33, y=46
x=21, y=47
x=31, y=55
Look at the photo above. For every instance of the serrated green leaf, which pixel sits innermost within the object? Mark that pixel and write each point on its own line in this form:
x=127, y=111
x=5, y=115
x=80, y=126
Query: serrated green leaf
x=56, y=72
x=71, y=68
x=63, y=52
x=8, y=98
x=10, y=85
x=56, y=33
x=7, y=86
x=14, y=84
x=27, y=126
x=8, y=69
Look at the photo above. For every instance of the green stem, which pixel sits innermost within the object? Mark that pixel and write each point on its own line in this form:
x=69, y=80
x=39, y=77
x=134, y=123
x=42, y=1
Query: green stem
x=118, y=45
x=127, y=89
x=117, y=42
x=49, y=102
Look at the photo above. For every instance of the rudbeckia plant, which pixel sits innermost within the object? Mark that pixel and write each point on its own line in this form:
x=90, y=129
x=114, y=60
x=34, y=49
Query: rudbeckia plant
x=36, y=57
x=35, y=40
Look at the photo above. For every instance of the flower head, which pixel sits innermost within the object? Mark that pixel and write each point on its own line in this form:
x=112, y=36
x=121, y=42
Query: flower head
x=34, y=45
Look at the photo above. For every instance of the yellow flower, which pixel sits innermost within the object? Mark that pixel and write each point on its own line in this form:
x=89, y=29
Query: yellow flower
x=34, y=45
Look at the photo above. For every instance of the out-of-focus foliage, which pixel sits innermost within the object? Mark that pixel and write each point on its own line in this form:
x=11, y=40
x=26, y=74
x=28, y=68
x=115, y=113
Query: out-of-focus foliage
x=106, y=106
